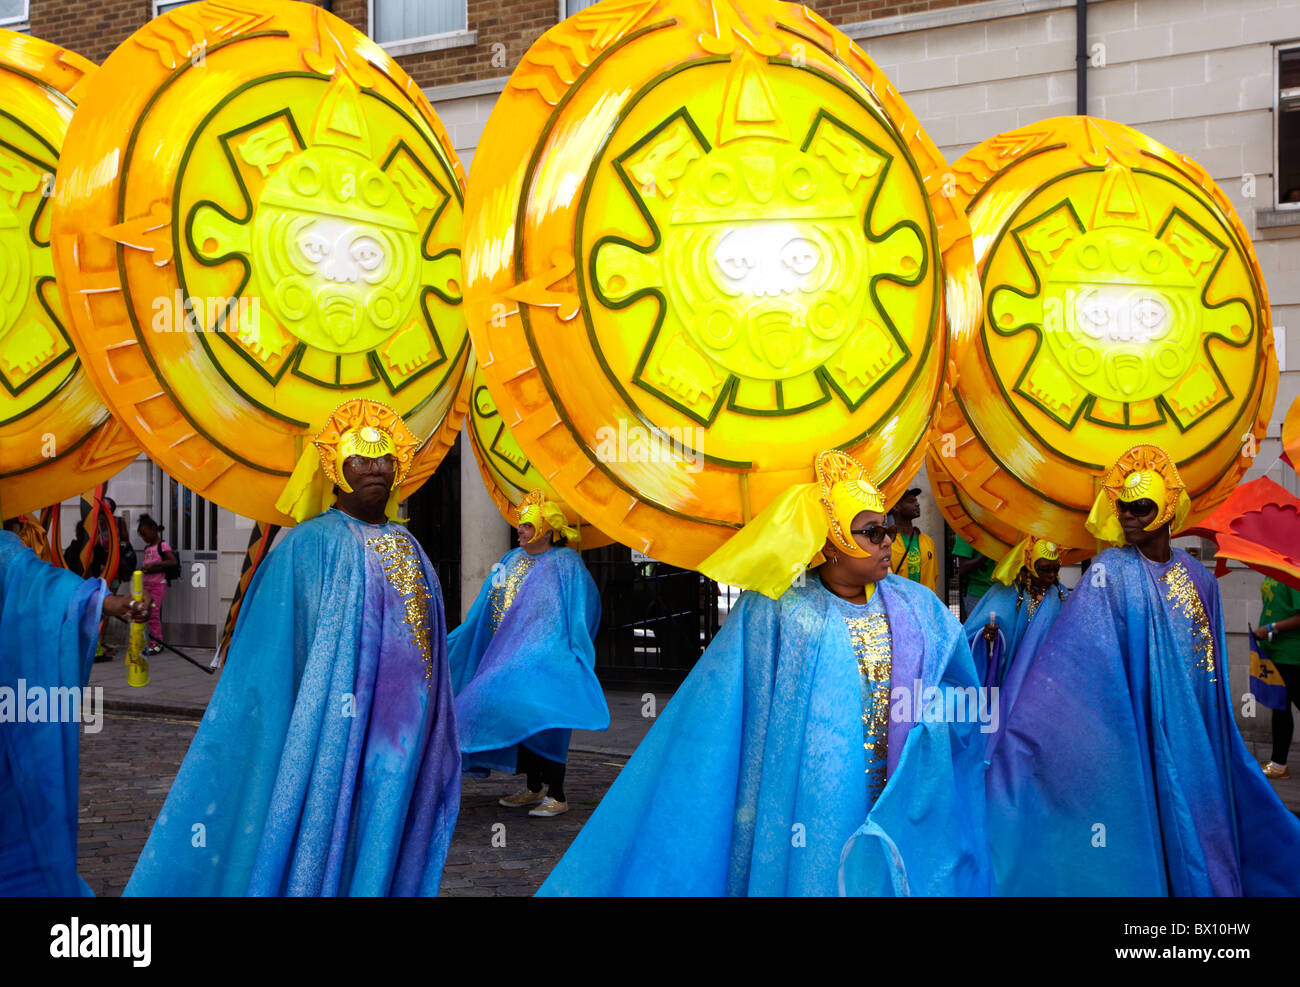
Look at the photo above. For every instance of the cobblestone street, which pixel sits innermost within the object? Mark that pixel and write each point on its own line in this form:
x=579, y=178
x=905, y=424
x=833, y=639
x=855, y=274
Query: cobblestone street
x=127, y=768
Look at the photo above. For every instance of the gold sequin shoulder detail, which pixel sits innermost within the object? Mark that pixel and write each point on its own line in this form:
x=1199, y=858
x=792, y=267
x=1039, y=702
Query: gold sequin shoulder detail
x=405, y=574
x=1181, y=592
x=505, y=587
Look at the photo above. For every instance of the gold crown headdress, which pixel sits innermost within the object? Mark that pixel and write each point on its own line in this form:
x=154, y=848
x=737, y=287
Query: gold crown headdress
x=1144, y=472
x=1026, y=552
x=544, y=515
x=774, y=548
x=845, y=493
x=360, y=427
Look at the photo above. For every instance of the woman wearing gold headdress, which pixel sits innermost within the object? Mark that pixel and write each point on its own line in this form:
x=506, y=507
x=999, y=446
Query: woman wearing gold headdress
x=811, y=750
x=523, y=662
x=326, y=763
x=1120, y=770
x=1013, y=617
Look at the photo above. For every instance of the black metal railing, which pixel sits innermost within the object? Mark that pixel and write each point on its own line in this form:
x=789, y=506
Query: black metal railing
x=656, y=620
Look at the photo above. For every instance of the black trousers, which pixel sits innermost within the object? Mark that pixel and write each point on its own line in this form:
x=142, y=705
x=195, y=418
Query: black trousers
x=1283, y=722
x=541, y=771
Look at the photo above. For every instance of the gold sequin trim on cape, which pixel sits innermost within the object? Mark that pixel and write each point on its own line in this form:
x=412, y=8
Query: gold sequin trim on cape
x=871, y=647
x=505, y=590
x=406, y=575
x=1182, y=593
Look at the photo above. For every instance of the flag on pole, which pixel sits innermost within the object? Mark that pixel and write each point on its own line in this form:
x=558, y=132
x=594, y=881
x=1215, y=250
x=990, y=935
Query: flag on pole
x=1266, y=683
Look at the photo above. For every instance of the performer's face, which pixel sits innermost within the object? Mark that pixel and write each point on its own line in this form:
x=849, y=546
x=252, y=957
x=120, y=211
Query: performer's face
x=868, y=526
x=371, y=480
x=1134, y=516
x=526, y=534
x=1045, y=573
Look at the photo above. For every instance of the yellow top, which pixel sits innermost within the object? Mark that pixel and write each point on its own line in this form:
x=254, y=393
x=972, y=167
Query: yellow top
x=772, y=551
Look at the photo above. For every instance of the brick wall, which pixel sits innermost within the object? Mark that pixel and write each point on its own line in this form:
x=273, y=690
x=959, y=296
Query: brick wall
x=93, y=28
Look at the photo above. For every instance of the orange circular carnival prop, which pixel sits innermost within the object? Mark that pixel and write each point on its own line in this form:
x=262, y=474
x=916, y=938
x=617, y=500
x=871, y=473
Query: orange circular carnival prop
x=259, y=217
x=57, y=439
x=703, y=243
x=1123, y=304
x=506, y=470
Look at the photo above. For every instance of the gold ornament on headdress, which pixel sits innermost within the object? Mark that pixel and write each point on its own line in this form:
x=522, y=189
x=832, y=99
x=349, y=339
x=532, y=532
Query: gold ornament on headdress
x=364, y=428
x=772, y=551
x=545, y=516
x=1026, y=552
x=1144, y=472
x=360, y=427
x=845, y=493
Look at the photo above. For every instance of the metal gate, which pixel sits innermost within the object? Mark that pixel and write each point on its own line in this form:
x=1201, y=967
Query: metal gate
x=192, y=611
x=655, y=620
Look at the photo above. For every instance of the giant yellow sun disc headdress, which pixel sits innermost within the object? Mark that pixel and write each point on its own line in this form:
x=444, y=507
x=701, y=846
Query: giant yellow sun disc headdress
x=771, y=551
x=1026, y=552
x=545, y=516
x=360, y=427
x=1145, y=472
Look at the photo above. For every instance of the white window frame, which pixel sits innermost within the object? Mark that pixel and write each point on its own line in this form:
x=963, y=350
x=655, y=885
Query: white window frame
x=462, y=38
x=169, y=4
x=563, y=10
x=1278, y=51
x=21, y=21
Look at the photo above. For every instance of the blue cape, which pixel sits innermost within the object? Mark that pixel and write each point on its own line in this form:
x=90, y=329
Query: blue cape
x=1120, y=770
x=49, y=624
x=1019, y=638
x=326, y=763
x=753, y=780
x=532, y=679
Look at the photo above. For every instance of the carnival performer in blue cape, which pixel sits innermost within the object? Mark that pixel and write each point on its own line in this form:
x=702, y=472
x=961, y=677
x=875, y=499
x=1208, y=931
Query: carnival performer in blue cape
x=1121, y=770
x=1010, y=622
x=809, y=752
x=522, y=663
x=49, y=625
x=326, y=763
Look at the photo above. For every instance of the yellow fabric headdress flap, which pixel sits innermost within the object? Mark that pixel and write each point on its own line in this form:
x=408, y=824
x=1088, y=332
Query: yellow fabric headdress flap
x=309, y=491
x=1181, y=510
x=556, y=520
x=770, y=552
x=1102, y=521
x=1009, y=568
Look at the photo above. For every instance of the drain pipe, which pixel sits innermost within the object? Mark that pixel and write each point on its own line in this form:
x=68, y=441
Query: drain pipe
x=1081, y=56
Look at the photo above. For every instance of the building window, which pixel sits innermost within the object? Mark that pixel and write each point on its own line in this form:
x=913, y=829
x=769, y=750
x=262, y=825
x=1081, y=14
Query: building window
x=13, y=12
x=161, y=7
x=570, y=7
x=1287, y=116
x=411, y=20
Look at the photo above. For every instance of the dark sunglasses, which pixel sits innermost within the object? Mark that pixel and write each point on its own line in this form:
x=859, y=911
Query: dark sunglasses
x=1135, y=507
x=875, y=533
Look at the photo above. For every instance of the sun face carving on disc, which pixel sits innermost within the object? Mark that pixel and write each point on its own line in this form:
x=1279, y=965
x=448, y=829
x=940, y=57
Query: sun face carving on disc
x=334, y=242
x=1119, y=311
x=761, y=258
x=32, y=339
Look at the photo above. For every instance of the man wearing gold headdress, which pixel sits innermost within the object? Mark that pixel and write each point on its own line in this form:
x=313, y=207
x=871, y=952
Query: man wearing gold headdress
x=1120, y=770
x=818, y=746
x=326, y=763
x=1012, y=619
x=522, y=663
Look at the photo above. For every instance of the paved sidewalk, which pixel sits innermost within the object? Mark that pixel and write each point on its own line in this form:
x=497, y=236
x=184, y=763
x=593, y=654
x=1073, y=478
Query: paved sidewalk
x=178, y=689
